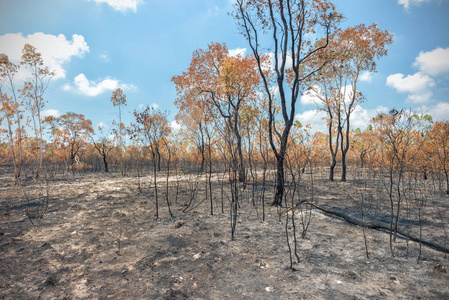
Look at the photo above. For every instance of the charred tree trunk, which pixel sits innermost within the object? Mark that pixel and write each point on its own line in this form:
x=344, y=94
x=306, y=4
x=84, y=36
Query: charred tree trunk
x=345, y=145
x=105, y=162
x=280, y=159
x=241, y=164
x=203, y=161
x=158, y=159
x=154, y=154
x=280, y=182
x=343, y=167
x=333, y=151
x=332, y=169
x=447, y=183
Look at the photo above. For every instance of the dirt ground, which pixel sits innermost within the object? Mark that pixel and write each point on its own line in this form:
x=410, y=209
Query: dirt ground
x=100, y=239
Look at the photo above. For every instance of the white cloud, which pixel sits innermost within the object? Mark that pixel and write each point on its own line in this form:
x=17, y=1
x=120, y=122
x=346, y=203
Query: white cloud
x=417, y=85
x=420, y=85
x=90, y=88
x=175, y=125
x=440, y=111
x=152, y=105
x=310, y=97
x=366, y=76
x=408, y=3
x=237, y=51
x=51, y=112
x=288, y=61
x=360, y=118
x=317, y=119
x=422, y=97
x=411, y=83
x=274, y=90
x=56, y=50
x=155, y=106
x=121, y=5
x=434, y=62
x=105, y=57
x=347, y=92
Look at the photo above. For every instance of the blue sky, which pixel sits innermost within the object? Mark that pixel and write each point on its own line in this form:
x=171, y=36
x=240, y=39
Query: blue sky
x=96, y=46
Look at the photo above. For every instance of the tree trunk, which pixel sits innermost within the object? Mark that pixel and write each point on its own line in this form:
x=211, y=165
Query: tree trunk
x=11, y=142
x=203, y=160
x=279, y=180
x=40, y=141
x=332, y=169
x=280, y=157
x=241, y=165
x=344, y=146
x=362, y=159
x=167, y=196
x=106, y=169
x=333, y=153
x=202, y=149
x=447, y=183
x=210, y=178
x=343, y=166
x=155, y=183
x=158, y=159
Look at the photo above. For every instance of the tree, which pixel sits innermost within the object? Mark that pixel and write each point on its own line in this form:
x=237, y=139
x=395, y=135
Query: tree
x=70, y=130
x=229, y=83
x=197, y=126
x=12, y=109
x=292, y=24
x=195, y=117
x=118, y=99
x=33, y=91
x=364, y=143
x=439, y=136
x=104, y=147
x=350, y=52
x=402, y=135
x=8, y=110
x=151, y=128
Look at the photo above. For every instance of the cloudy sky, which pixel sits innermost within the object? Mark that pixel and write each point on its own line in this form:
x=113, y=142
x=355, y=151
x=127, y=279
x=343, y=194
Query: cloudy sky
x=96, y=46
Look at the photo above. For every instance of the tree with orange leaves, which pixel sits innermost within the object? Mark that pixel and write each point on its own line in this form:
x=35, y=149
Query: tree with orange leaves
x=195, y=117
x=70, y=132
x=7, y=108
x=364, y=143
x=228, y=83
x=439, y=136
x=402, y=135
x=350, y=52
x=152, y=129
x=12, y=110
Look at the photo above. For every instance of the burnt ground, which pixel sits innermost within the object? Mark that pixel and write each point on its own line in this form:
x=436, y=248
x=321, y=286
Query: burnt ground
x=100, y=239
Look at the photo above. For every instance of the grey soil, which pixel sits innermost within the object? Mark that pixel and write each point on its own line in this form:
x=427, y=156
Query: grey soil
x=100, y=239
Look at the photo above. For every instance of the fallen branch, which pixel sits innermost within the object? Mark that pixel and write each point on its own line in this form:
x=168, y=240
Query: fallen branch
x=378, y=226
